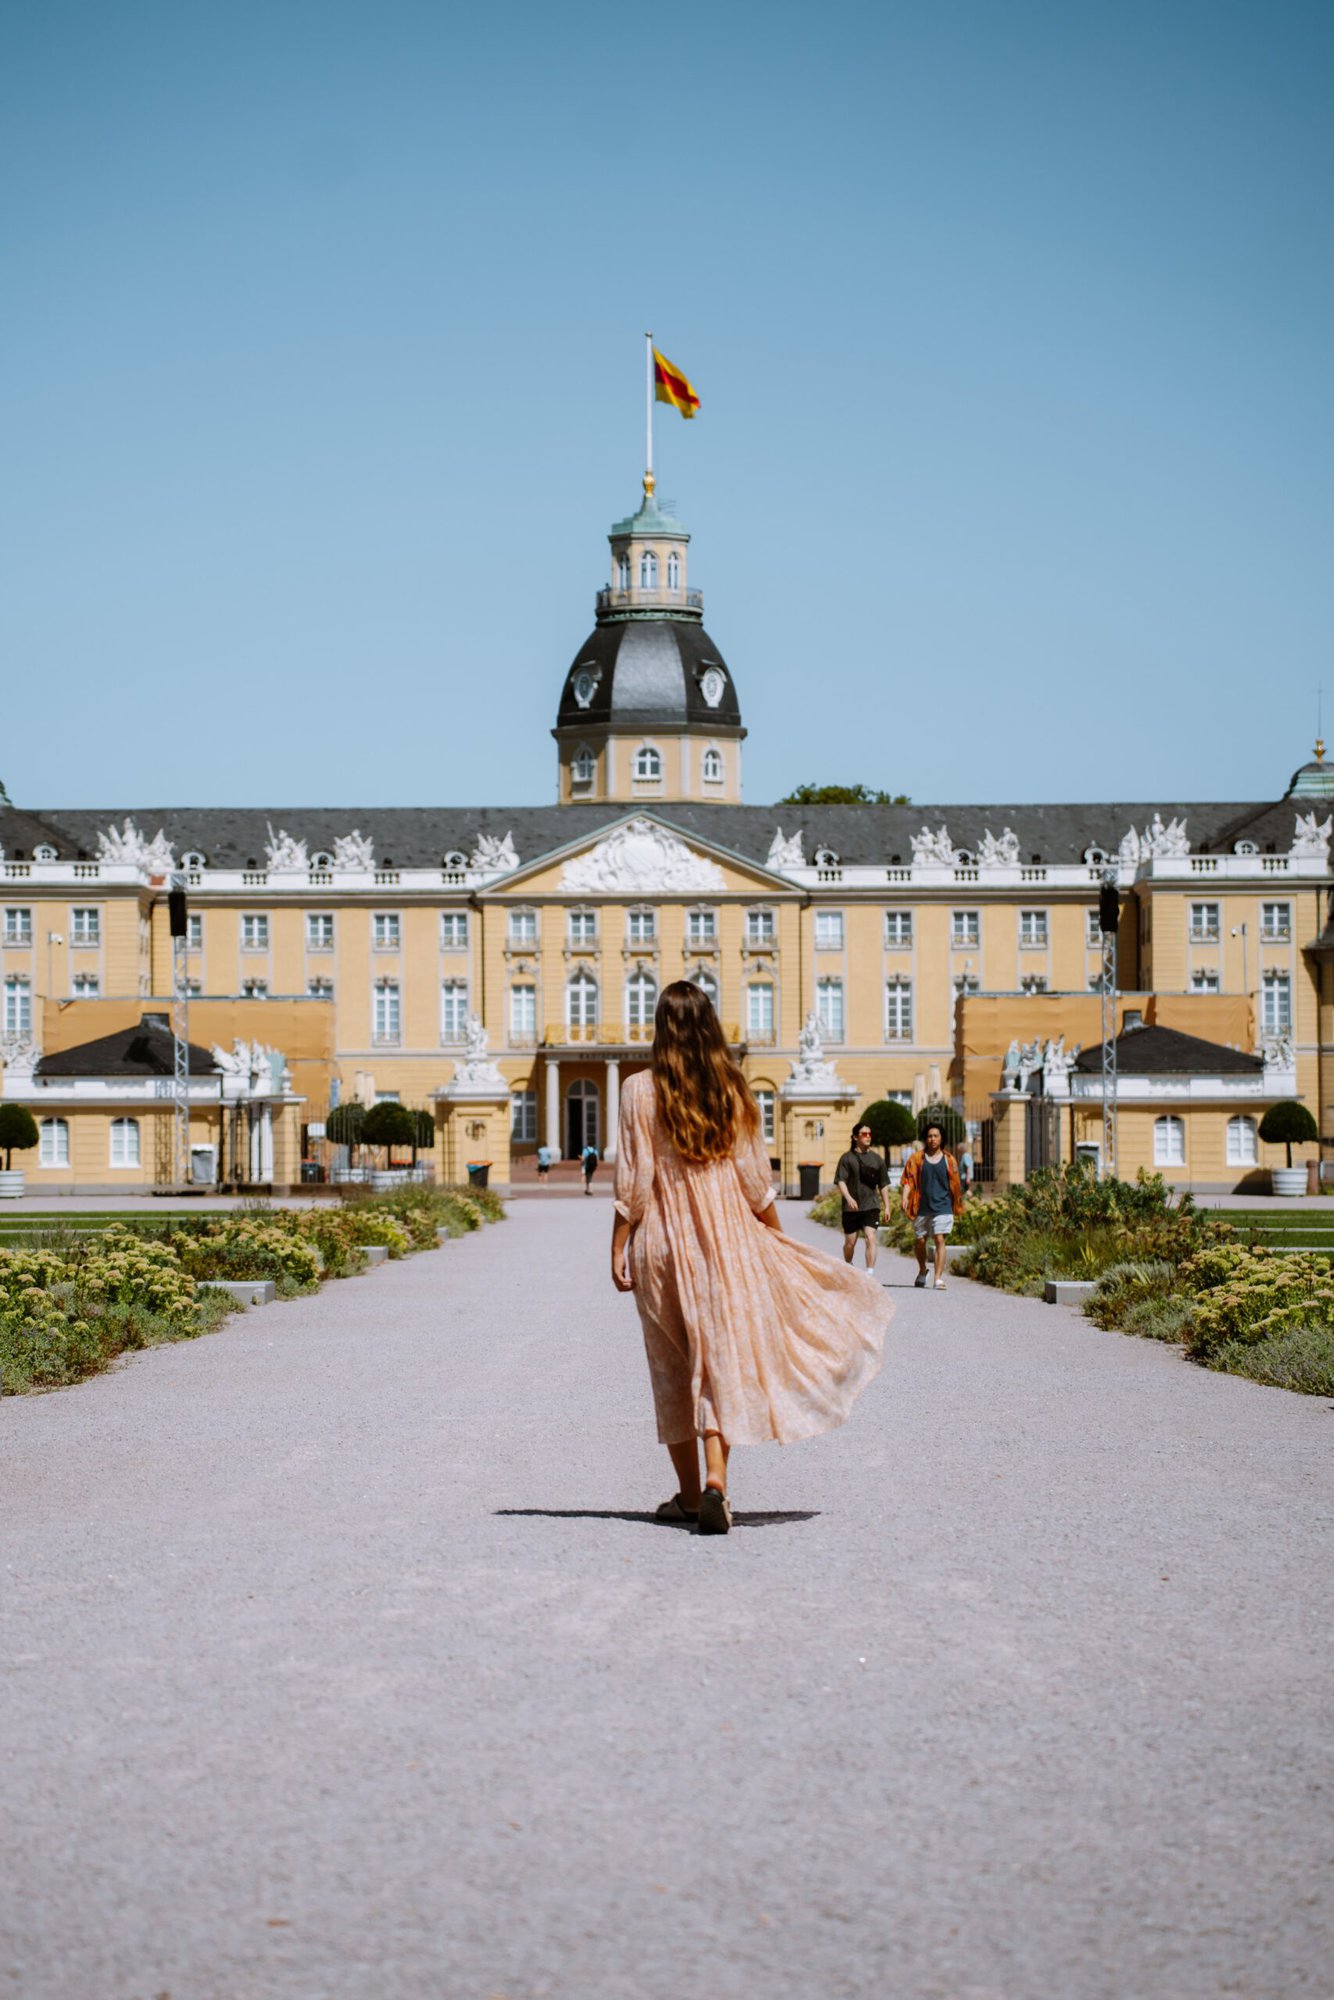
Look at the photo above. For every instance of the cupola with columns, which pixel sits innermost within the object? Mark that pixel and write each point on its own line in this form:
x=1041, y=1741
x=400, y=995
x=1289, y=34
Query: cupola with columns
x=649, y=710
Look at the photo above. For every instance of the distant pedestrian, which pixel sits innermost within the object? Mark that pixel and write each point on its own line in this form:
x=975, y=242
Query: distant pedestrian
x=860, y=1178
x=931, y=1196
x=751, y=1337
x=544, y=1159
x=588, y=1160
x=966, y=1169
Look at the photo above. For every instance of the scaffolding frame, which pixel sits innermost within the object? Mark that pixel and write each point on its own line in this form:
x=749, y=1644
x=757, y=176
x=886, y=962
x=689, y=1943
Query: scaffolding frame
x=180, y=1049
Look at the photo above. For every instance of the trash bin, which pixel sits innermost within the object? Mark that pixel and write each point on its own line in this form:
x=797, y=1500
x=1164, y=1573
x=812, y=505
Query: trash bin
x=808, y=1173
x=479, y=1172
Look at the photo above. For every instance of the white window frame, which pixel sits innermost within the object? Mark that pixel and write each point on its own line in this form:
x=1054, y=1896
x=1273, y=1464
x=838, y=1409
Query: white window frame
x=898, y=1010
x=898, y=930
x=1276, y=1002
x=712, y=769
x=701, y=928
x=673, y=570
x=761, y=929
x=1204, y=980
x=965, y=930
x=453, y=1010
x=767, y=1101
x=831, y=1008
x=254, y=989
x=623, y=572
x=320, y=987
x=453, y=930
x=523, y=1003
x=829, y=930
x=18, y=926
x=125, y=1151
x=85, y=927
x=583, y=928
x=386, y=1013
x=648, y=570
x=1169, y=1140
x=194, y=932
x=706, y=983
x=647, y=765
x=319, y=930
x=1033, y=982
x=521, y=930
x=1243, y=1148
x=583, y=767
x=760, y=1010
x=641, y=1000
x=18, y=1004
x=254, y=930
x=966, y=982
x=1093, y=928
x=85, y=986
x=53, y=1142
x=386, y=930
x=1276, y=928
x=1205, y=923
x=641, y=927
x=1034, y=930
x=582, y=988
x=523, y=1117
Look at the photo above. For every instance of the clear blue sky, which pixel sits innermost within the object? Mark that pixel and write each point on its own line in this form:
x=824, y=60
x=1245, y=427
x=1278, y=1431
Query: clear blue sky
x=321, y=369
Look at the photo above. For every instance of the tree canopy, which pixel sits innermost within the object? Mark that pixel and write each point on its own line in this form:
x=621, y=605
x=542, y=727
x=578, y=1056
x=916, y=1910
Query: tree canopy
x=891, y=1124
x=1288, y=1124
x=18, y=1130
x=842, y=795
x=388, y=1124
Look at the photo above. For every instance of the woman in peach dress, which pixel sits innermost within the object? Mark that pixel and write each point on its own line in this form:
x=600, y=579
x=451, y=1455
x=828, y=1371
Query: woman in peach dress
x=751, y=1336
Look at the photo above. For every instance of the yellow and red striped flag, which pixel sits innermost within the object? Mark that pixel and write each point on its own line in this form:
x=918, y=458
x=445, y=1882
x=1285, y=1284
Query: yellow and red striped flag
x=671, y=386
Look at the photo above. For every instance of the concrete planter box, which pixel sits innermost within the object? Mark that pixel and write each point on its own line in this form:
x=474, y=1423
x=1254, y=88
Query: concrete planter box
x=1282, y=1180
x=1068, y=1291
x=246, y=1291
x=442, y=1236
x=375, y=1253
x=12, y=1183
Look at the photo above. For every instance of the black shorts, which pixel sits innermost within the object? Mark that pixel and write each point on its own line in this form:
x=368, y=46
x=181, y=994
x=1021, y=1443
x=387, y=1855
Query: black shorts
x=860, y=1218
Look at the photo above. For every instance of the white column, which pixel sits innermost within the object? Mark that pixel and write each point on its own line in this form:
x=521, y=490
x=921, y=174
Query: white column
x=613, y=1106
x=552, y=1130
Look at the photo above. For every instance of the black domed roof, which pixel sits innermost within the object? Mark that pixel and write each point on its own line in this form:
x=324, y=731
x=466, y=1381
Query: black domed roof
x=649, y=673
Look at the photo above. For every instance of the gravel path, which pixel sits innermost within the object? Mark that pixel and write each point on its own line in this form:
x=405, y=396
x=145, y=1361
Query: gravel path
x=342, y=1663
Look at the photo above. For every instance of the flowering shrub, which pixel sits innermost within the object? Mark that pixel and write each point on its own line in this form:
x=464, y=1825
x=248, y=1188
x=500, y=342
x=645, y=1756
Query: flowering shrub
x=249, y=1248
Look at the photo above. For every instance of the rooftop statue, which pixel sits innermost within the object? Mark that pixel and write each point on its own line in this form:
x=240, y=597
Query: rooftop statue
x=932, y=850
x=284, y=853
x=1310, y=840
x=999, y=851
x=786, y=853
x=493, y=854
x=354, y=853
x=126, y=845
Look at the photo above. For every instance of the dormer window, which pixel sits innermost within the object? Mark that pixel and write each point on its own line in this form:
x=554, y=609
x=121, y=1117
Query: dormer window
x=648, y=571
x=622, y=572
x=193, y=859
x=44, y=853
x=583, y=766
x=321, y=861
x=713, y=767
x=673, y=571
x=648, y=764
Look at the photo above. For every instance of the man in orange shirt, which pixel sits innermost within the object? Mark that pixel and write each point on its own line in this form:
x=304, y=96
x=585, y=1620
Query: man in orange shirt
x=931, y=1196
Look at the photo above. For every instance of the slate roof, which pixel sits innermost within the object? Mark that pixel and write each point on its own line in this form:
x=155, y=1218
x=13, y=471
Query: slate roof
x=650, y=673
x=143, y=1050
x=1167, y=1052
x=419, y=836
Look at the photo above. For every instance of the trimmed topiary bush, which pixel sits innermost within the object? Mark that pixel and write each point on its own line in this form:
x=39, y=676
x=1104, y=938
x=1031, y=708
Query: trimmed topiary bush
x=1288, y=1124
x=952, y=1128
x=891, y=1124
x=18, y=1131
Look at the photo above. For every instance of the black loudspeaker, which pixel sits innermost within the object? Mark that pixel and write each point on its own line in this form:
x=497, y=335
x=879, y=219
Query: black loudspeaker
x=176, y=912
x=1109, y=908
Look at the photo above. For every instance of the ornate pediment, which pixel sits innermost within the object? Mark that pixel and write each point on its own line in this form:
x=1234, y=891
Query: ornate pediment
x=641, y=858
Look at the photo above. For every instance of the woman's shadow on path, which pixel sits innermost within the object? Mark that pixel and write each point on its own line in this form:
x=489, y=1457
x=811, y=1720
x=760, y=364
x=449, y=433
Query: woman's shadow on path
x=750, y=1520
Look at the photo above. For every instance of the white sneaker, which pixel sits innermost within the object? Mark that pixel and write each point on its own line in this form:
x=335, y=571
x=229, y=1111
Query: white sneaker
x=940, y=1284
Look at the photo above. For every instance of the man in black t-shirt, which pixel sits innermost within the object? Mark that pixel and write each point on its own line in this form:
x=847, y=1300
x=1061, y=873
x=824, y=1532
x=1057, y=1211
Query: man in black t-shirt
x=860, y=1179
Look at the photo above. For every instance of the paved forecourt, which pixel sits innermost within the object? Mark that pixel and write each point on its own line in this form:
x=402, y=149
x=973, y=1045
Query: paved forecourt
x=342, y=1660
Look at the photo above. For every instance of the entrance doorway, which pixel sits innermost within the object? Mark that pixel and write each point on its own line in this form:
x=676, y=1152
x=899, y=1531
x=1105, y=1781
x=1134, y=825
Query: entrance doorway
x=583, y=1121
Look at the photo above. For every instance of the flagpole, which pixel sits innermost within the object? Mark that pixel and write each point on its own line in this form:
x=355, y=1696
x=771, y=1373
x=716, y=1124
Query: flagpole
x=648, y=413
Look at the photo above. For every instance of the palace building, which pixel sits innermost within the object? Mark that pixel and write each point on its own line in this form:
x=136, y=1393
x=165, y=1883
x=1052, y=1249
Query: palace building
x=500, y=966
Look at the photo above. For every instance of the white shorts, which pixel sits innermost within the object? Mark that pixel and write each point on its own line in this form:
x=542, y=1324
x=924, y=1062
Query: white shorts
x=932, y=1225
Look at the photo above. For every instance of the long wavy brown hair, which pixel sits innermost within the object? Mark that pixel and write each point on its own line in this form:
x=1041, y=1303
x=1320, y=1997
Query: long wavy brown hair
x=702, y=1095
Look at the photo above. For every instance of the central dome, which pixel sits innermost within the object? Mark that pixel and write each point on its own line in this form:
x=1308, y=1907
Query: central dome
x=649, y=673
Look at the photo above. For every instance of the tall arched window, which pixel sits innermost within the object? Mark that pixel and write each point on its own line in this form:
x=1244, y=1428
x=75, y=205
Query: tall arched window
x=713, y=767
x=1169, y=1142
x=622, y=572
x=581, y=1001
x=673, y=571
x=583, y=766
x=125, y=1142
x=648, y=763
x=1241, y=1146
x=648, y=571
x=641, y=1000
x=55, y=1142
x=706, y=983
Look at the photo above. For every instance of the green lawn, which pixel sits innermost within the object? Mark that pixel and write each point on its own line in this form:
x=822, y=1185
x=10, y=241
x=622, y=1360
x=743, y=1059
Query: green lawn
x=1284, y=1227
